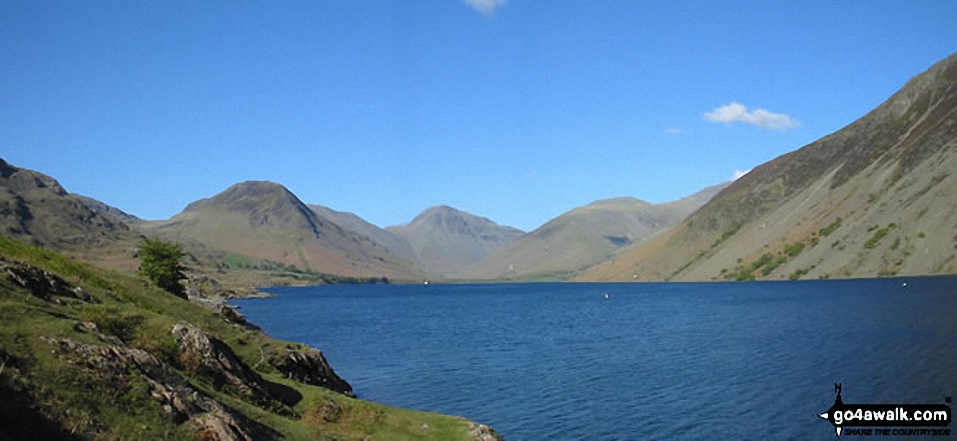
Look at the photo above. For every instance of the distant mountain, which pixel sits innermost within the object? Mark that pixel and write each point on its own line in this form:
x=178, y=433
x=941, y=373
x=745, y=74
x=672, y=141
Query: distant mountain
x=266, y=221
x=391, y=242
x=445, y=240
x=876, y=198
x=584, y=237
x=35, y=208
x=108, y=210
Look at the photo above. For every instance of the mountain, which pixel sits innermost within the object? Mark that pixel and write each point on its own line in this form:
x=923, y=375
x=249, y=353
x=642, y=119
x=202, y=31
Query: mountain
x=873, y=199
x=445, y=240
x=36, y=208
x=391, y=242
x=264, y=220
x=584, y=237
x=107, y=210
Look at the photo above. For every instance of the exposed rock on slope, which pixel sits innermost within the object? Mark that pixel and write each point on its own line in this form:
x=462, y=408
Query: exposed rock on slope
x=107, y=210
x=873, y=199
x=309, y=366
x=445, y=240
x=88, y=354
x=181, y=402
x=34, y=207
x=584, y=237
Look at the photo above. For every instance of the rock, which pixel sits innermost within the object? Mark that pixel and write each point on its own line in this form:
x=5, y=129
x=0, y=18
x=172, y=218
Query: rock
x=43, y=284
x=180, y=401
x=481, y=432
x=233, y=316
x=309, y=366
x=218, y=360
x=331, y=412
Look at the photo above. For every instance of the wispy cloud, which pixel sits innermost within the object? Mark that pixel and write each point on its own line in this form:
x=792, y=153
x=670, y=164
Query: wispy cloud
x=486, y=7
x=738, y=174
x=765, y=119
x=673, y=131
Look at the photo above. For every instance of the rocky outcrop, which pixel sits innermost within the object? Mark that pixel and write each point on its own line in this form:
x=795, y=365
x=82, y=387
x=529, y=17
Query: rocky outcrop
x=481, y=432
x=309, y=366
x=180, y=401
x=43, y=284
x=233, y=316
x=203, y=353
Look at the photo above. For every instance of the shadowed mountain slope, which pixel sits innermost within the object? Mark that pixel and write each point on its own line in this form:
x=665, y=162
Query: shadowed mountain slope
x=35, y=208
x=108, y=210
x=391, y=242
x=445, y=240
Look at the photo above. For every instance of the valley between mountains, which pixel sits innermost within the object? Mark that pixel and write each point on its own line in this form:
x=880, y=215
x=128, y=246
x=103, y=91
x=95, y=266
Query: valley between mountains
x=90, y=349
x=873, y=199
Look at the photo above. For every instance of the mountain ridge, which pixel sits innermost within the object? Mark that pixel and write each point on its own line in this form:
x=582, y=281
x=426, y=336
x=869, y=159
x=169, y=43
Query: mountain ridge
x=885, y=174
x=445, y=239
x=583, y=237
x=265, y=220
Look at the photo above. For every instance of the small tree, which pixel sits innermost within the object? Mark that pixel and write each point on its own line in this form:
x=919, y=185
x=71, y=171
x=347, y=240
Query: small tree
x=160, y=262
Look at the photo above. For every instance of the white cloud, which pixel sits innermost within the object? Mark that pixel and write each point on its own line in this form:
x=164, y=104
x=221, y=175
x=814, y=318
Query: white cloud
x=737, y=112
x=738, y=174
x=486, y=7
x=673, y=131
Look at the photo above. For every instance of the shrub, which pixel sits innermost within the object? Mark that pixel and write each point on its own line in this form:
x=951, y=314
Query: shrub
x=160, y=262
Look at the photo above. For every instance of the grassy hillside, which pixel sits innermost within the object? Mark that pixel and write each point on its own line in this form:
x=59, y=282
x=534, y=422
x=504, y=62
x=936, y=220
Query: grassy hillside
x=873, y=199
x=88, y=353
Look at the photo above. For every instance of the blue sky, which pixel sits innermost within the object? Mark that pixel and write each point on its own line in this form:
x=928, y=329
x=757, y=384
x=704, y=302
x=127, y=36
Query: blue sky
x=517, y=110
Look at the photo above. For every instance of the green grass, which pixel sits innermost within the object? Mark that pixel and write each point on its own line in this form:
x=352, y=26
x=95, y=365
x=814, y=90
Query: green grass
x=747, y=273
x=794, y=249
x=725, y=236
x=830, y=228
x=62, y=394
x=878, y=235
x=238, y=261
x=799, y=273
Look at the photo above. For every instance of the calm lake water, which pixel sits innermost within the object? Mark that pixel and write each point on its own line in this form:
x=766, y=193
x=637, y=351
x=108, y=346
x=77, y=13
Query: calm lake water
x=652, y=361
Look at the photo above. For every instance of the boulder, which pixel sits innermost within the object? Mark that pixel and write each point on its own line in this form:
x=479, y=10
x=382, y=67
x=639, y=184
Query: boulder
x=481, y=432
x=43, y=284
x=309, y=366
x=201, y=352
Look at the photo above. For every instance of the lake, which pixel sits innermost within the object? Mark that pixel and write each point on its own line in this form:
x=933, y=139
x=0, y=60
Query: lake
x=650, y=361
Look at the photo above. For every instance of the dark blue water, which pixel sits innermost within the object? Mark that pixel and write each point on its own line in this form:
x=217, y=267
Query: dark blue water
x=657, y=360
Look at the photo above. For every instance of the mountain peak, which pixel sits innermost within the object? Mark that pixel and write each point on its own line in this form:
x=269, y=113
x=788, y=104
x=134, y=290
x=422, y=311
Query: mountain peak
x=445, y=239
x=439, y=210
x=623, y=201
x=251, y=197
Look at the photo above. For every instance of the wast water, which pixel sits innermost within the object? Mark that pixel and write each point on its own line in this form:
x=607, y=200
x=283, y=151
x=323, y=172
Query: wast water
x=754, y=360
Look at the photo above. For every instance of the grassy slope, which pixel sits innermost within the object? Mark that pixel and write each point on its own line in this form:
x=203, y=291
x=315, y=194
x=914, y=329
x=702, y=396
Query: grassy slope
x=38, y=387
